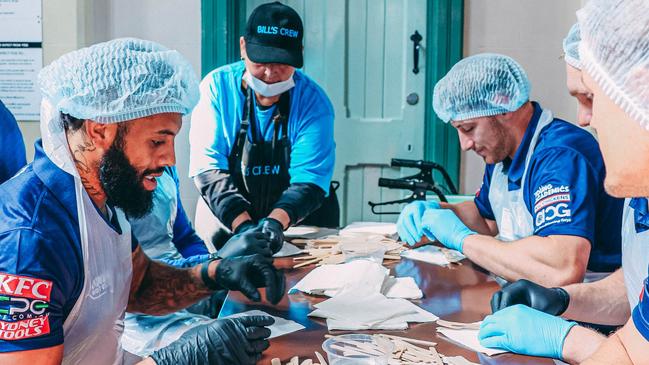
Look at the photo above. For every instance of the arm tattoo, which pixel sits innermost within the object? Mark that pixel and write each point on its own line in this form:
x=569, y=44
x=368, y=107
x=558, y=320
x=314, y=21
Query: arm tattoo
x=160, y=289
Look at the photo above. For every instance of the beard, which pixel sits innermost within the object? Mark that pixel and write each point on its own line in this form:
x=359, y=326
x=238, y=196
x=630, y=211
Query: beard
x=122, y=182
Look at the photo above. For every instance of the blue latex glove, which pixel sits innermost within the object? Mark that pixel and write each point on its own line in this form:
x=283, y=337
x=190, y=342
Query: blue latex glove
x=526, y=331
x=443, y=225
x=409, y=223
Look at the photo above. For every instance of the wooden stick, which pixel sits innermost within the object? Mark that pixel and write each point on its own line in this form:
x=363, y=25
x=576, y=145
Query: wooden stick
x=309, y=262
x=321, y=358
x=302, y=258
x=458, y=325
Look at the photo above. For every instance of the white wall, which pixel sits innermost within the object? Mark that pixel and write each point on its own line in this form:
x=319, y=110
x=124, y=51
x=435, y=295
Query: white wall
x=531, y=32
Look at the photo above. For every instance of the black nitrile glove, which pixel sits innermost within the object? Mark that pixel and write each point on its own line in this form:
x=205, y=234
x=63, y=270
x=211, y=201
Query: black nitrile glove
x=549, y=300
x=247, y=243
x=275, y=230
x=247, y=273
x=229, y=341
x=245, y=226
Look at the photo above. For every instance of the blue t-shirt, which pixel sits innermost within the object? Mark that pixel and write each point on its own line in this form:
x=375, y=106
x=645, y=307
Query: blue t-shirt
x=12, y=147
x=564, y=189
x=186, y=241
x=216, y=122
x=41, y=262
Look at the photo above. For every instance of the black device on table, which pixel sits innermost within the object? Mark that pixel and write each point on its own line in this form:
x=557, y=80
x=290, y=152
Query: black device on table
x=419, y=183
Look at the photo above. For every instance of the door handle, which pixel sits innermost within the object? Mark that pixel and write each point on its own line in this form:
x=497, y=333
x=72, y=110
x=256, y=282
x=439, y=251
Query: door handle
x=416, y=39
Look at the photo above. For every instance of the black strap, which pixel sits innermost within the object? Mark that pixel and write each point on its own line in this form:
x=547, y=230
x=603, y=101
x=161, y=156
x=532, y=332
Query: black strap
x=205, y=276
x=280, y=121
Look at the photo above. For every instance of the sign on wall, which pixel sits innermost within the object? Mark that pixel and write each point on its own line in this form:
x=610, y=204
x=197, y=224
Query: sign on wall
x=21, y=56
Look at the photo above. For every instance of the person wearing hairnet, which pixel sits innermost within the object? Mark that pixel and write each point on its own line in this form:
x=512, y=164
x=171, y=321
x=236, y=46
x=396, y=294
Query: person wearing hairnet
x=69, y=265
x=608, y=301
x=12, y=147
x=542, y=191
x=614, y=57
x=262, y=149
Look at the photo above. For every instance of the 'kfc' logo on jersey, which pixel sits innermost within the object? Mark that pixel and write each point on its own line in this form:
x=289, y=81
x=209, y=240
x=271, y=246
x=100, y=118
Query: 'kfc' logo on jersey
x=23, y=286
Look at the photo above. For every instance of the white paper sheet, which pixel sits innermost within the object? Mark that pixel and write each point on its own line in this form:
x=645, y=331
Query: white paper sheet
x=430, y=254
x=382, y=228
x=287, y=250
x=351, y=310
x=331, y=279
x=281, y=326
x=469, y=339
x=457, y=360
x=405, y=287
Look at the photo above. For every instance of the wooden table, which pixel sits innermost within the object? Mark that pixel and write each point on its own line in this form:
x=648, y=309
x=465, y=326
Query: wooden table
x=460, y=293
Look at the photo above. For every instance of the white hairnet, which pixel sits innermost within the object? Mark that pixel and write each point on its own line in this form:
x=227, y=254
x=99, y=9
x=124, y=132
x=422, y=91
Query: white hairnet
x=571, y=47
x=120, y=80
x=614, y=51
x=479, y=86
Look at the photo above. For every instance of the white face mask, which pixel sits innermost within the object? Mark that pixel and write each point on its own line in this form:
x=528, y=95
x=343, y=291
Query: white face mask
x=268, y=90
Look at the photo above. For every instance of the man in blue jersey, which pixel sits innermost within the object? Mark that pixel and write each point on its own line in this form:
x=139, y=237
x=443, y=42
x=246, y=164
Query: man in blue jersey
x=525, y=314
x=69, y=264
x=542, y=192
x=12, y=147
x=262, y=148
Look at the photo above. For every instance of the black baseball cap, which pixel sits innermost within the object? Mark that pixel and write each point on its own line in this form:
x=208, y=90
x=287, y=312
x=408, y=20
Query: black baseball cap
x=274, y=34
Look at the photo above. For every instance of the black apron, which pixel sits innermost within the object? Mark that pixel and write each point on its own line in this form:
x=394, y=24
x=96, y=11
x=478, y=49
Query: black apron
x=260, y=168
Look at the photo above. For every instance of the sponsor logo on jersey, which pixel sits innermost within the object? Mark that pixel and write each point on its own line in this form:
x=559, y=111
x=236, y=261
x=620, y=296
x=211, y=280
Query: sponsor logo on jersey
x=27, y=328
x=24, y=307
x=549, y=189
x=552, y=205
x=24, y=286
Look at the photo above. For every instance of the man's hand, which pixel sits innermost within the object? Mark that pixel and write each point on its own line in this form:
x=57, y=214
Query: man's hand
x=553, y=301
x=247, y=273
x=524, y=330
x=275, y=231
x=236, y=341
x=409, y=224
x=245, y=226
x=444, y=226
x=247, y=243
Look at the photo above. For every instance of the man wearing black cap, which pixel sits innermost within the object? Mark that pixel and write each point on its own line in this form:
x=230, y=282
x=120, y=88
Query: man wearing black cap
x=262, y=148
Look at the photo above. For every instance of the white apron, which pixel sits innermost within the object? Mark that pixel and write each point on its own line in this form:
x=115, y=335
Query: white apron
x=512, y=217
x=635, y=255
x=93, y=327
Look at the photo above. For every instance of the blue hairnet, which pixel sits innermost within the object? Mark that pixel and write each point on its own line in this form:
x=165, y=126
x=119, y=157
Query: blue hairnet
x=120, y=80
x=479, y=86
x=614, y=51
x=571, y=47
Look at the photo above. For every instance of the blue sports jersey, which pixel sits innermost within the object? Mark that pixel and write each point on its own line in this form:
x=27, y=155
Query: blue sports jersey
x=564, y=189
x=12, y=147
x=41, y=262
x=216, y=122
x=641, y=311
